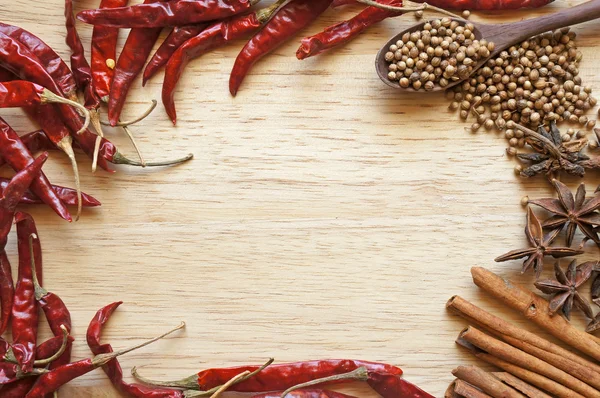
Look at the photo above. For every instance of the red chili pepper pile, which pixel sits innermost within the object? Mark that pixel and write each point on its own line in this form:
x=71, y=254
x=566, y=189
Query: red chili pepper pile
x=191, y=36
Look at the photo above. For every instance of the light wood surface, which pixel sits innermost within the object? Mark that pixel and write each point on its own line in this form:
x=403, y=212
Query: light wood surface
x=324, y=215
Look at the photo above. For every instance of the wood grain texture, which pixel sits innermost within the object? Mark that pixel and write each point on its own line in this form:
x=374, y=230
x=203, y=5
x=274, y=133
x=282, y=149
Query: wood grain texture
x=324, y=215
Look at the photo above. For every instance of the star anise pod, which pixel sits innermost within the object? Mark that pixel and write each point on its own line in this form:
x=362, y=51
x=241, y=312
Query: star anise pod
x=564, y=289
x=572, y=211
x=552, y=155
x=596, y=289
x=594, y=324
x=540, y=246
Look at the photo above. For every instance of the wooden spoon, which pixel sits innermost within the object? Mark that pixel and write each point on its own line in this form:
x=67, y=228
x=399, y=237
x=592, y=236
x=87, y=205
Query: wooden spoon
x=502, y=35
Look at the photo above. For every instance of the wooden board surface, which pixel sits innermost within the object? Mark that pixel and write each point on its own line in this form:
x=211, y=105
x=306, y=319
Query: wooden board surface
x=324, y=215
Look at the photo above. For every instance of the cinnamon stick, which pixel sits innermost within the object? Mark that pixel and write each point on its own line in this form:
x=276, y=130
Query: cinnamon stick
x=520, y=358
x=530, y=377
x=581, y=372
x=535, y=308
x=520, y=385
x=485, y=382
x=450, y=393
x=499, y=326
x=464, y=389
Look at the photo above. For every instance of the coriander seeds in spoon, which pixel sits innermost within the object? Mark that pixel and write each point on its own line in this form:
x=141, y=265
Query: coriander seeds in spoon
x=489, y=39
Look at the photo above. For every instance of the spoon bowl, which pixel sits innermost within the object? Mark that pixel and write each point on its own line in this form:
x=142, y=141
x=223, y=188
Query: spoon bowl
x=502, y=35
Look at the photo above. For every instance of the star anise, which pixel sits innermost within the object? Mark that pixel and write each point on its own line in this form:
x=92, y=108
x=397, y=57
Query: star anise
x=594, y=324
x=572, y=211
x=552, y=155
x=564, y=289
x=596, y=289
x=540, y=246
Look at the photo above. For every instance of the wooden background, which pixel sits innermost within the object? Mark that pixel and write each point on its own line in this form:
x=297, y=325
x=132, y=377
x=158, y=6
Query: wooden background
x=324, y=215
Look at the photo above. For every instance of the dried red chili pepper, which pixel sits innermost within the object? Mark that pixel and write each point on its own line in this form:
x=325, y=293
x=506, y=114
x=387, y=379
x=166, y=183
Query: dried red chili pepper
x=55, y=66
x=178, y=36
x=54, y=379
x=25, y=309
x=344, y=32
x=14, y=152
x=113, y=368
x=289, y=19
x=175, y=13
x=104, y=51
x=7, y=292
x=274, y=377
x=22, y=93
x=11, y=196
x=216, y=35
x=79, y=65
x=54, y=308
x=67, y=195
x=59, y=135
x=131, y=61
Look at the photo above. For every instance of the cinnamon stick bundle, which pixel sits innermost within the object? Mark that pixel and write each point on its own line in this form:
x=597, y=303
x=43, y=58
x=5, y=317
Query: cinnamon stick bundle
x=485, y=382
x=535, y=308
x=520, y=358
x=519, y=337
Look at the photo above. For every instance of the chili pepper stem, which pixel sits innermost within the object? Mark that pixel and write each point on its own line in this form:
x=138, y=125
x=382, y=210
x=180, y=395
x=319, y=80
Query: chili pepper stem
x=136, y=120
x=39, y=291
x=95, y=119
x=66, y=145
x=49, y=97
x=421, y=7
x=118, y=158
x=264, y=14
x=57, y=354
x=103, y=359
x=190, y=382
x=231, y=382
x=360, y=374
x=135, y=146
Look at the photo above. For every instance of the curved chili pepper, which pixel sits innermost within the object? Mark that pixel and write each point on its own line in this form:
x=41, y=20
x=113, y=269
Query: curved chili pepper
x=55, y=66
x=16, y=58
x=275, y=377
x=25, y=307
x=22, y=93
x=113, y=368
x=393, y=386
x=289, y=19
x=473, y=5
x=104, y=51
x=343, y=32
x=67, y=195
x=7, y=291
x=14, y=152
x=79, y=65
x=216, y=35
x=175, y=13
x=54, y=379
x=136, y=50
x=174, y=40
x=54, y=308
x=13, y=193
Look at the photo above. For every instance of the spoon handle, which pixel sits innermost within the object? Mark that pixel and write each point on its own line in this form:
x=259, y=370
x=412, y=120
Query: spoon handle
x=515, y=32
